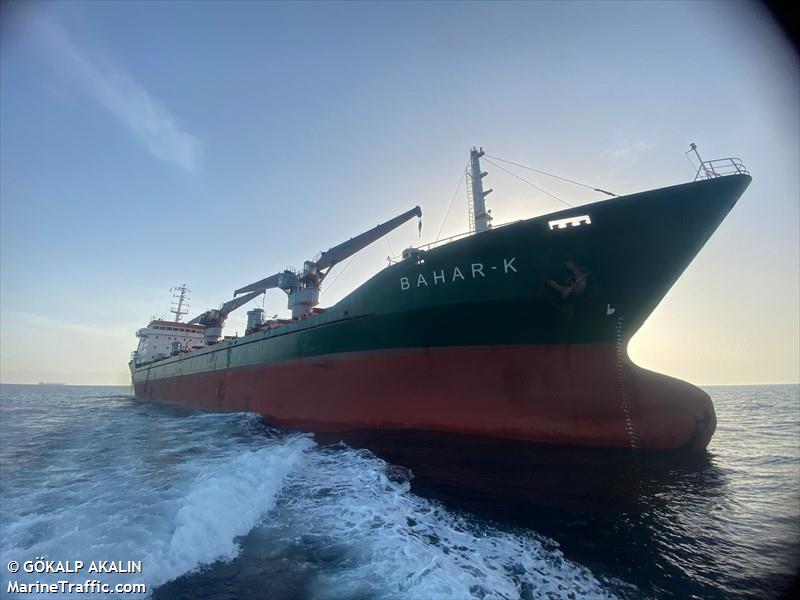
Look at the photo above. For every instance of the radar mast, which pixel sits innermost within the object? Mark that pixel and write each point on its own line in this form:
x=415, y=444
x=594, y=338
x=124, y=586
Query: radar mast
x=180, y=301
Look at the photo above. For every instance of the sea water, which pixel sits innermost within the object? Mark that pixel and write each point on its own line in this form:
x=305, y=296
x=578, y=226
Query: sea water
x=224, y=506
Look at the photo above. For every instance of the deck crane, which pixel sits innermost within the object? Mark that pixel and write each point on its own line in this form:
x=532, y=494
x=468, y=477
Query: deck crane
x=303, y=287
x=214, y=319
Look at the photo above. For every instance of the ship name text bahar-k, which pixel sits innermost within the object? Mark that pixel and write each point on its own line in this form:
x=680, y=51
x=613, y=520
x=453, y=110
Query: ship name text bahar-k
x=516, y=332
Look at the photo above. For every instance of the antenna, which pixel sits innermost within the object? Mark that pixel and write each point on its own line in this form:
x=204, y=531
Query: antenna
x=180, y=301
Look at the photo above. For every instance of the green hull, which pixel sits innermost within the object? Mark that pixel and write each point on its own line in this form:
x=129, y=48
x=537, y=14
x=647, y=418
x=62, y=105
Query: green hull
x=525, y=284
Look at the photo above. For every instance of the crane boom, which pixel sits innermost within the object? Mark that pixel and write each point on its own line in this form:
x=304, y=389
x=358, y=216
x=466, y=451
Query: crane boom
x=263, y=285
x=345, y=250
x=220, y=314
x=232, y=305
x=302, y=287
x=214, y=319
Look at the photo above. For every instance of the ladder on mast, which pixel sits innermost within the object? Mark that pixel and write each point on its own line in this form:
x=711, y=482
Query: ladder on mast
x=180, y=301
x=479, y=218
x=470, y=205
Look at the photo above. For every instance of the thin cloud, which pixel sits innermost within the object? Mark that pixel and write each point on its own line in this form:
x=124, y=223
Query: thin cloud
x=49, y=325
x=129, y=102
x=628, y=149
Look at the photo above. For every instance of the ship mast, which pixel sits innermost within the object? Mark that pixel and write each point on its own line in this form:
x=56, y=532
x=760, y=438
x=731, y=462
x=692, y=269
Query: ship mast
x=180, y=301
x=481, y=217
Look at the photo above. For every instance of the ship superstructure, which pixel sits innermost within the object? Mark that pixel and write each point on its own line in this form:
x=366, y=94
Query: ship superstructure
x=162, y=338
x=518, y=331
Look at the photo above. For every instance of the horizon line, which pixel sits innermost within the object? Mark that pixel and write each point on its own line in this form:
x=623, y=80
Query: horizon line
x=128, y=385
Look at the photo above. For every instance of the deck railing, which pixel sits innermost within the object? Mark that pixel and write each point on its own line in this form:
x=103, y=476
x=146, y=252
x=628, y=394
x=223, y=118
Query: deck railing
x=709, y=169
x=721, y=167
x=429, y=246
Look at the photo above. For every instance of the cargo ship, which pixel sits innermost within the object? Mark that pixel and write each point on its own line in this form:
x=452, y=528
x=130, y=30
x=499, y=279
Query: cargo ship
x=515, y=332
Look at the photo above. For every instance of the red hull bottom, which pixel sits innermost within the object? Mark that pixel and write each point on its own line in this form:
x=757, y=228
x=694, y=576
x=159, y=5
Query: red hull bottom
x=584, y=395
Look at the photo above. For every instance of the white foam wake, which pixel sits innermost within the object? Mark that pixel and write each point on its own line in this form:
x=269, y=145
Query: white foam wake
x=390, y=543
x=225, y=502
x=174, y=493
x=111, y=480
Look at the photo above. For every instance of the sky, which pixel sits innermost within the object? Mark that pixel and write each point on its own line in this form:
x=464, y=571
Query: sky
x=144, y=145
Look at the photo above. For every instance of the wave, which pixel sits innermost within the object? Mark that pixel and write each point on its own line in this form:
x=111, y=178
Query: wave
x=382, y=541
x=225, y=503
x=181, y=492
x=176, y=515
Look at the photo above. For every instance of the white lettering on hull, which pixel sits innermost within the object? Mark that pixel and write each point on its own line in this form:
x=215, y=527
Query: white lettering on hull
x=445, y=276
x=508, y=265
